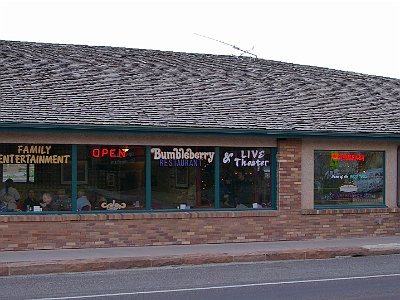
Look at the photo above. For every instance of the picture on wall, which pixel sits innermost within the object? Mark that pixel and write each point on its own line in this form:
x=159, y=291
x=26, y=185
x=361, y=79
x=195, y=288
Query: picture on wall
x=19, y=172
x=82, y=173
x=182, y=177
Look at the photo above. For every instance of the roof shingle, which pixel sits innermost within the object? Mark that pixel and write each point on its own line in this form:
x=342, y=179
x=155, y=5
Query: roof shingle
x=83, y=85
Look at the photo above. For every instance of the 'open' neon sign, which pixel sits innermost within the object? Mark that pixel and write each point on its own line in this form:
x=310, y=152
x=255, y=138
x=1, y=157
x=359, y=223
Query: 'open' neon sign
x=109, y=152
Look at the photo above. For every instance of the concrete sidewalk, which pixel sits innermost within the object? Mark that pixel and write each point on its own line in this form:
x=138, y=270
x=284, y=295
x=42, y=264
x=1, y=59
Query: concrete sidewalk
x=97, y=259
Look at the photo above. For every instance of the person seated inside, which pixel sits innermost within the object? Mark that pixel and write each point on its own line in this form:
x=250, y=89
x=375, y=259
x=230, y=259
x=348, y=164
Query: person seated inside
x=226, y=191
x=98, y=200
x=62, y=200
x=48, y=203
x=82, y=202
x=30, y=201
x=9, y=195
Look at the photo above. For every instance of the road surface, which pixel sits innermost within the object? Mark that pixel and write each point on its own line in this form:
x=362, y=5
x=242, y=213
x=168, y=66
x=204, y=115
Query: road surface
x=373, y=277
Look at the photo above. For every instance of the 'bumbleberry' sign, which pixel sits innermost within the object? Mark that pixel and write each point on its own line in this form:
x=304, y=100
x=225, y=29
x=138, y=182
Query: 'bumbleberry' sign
x=180, y=157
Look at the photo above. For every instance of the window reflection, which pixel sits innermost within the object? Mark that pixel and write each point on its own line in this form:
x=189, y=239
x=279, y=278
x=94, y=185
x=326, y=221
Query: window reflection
x=32, y=176
x=182, y=177
x=245, y=178
x=349, y=177
x=111, y=177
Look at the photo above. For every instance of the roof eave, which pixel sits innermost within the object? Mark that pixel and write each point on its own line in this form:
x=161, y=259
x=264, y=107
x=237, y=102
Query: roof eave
x=106, y=129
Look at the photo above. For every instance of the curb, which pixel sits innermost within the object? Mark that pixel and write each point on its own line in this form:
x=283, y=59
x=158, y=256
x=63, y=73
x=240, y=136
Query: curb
x=102, y=264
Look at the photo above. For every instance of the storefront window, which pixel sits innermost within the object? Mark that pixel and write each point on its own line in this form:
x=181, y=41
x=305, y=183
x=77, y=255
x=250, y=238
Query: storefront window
x=182, y=177
x=349, y=177
x=32, y=177
x=111, y=177
x=245, y=178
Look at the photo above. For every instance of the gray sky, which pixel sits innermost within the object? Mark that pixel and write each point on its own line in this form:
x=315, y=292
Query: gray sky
x=354, y=35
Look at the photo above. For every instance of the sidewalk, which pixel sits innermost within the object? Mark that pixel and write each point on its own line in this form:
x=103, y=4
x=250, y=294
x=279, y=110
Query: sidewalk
x=97, y=259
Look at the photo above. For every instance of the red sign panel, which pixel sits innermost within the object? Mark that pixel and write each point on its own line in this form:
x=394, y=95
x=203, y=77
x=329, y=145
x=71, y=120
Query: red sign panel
x=338, y=156
x=109, y=152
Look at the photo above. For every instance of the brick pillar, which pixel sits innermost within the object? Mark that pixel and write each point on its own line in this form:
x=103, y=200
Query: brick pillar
x=289, y=175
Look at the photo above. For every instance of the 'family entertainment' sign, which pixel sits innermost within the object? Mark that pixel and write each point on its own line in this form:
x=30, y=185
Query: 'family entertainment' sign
x=33, y=155
x=180, y=157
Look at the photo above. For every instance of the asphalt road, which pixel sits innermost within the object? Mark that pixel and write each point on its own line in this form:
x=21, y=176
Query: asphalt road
x=374, y=277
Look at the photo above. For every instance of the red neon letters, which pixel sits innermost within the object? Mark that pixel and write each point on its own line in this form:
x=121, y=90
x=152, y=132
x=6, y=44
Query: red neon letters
x=337, y=156
x=108, y=152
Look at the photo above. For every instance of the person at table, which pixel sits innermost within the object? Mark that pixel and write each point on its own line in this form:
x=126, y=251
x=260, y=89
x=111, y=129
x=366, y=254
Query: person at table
x=30, y=201
x=48, y=204
x=9, y=195
x=62, y=200
x=82, y=202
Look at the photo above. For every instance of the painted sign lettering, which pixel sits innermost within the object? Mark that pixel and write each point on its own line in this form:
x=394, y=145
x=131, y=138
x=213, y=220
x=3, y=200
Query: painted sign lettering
x=34, y=154
x=247, y=158
x=180, y=157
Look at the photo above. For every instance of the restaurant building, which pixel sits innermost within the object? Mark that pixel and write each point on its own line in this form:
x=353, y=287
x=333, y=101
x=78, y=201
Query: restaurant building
x=114, y=147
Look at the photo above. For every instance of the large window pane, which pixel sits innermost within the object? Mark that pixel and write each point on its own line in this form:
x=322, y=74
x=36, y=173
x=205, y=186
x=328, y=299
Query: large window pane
x=349, y=177
x=245, y=178
x=111, y=177
x=182, y=177
x=33, y=177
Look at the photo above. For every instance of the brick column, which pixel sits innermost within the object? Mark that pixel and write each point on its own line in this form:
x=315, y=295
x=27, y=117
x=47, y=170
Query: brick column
x=289, y=175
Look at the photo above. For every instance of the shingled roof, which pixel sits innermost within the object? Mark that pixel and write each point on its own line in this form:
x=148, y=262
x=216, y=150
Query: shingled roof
x=73, y=85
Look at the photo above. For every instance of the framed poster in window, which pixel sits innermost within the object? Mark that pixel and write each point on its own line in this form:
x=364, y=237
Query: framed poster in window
x=82, y=174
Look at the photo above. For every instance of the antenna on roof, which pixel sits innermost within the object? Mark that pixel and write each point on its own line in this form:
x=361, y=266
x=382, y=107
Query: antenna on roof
x=233, y=46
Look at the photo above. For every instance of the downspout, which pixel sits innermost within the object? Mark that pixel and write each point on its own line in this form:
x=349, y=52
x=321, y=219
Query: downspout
x=398, y=177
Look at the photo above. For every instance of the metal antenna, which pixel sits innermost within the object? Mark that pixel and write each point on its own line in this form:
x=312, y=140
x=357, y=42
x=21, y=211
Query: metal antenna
x=233, y=46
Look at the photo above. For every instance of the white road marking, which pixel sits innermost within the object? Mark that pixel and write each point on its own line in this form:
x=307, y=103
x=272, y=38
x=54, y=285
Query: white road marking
x=223, y=287
x=383, y=246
